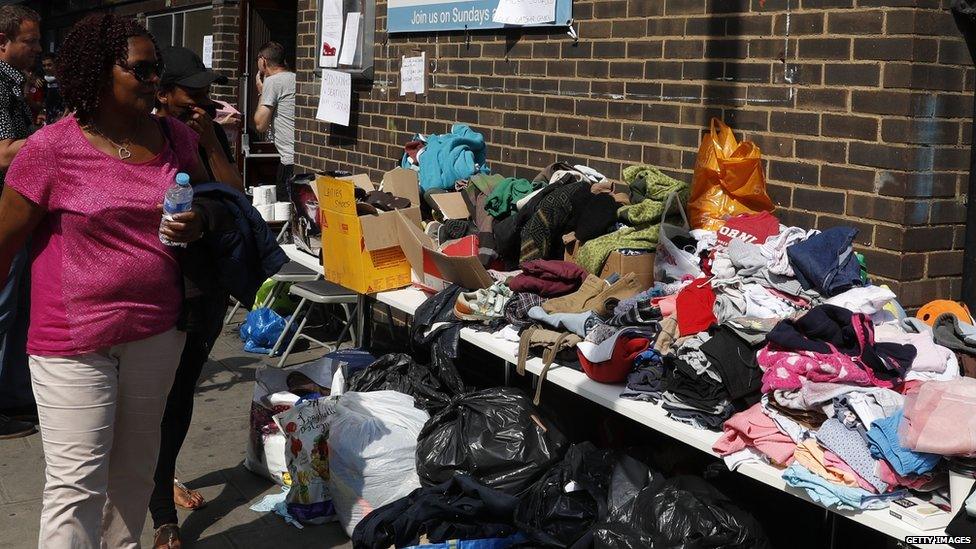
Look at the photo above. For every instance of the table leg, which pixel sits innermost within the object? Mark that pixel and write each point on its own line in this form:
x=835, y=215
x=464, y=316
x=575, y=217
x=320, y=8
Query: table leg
x=361, y=341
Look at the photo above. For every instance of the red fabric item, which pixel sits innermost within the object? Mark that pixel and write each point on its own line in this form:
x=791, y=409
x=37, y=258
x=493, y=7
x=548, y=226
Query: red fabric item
x=694, y=307
x=621, y=361
x=548, y=278
x=751, y=228
x=413, y=149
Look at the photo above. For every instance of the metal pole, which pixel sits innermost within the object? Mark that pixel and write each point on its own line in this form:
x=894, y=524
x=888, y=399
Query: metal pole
x=964, y=14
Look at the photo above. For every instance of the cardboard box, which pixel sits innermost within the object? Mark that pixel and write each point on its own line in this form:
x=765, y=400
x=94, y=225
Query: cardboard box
x=436, y=269
x=363, y=253
x=641, y=265
x=451, y=205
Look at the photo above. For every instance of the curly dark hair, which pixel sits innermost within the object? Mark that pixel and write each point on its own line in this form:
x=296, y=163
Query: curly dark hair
x=84, y=61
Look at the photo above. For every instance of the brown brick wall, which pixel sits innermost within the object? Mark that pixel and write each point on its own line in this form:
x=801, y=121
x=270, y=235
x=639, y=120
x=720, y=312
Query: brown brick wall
x=226, y=26
x=862, y=108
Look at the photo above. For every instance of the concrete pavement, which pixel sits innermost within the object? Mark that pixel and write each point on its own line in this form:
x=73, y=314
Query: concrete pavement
x=211, y=462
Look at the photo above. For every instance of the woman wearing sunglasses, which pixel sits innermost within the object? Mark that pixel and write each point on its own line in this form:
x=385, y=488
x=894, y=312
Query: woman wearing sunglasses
x=105, y=292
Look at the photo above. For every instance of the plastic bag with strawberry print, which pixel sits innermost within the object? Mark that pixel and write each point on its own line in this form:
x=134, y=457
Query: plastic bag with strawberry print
x=306, y=429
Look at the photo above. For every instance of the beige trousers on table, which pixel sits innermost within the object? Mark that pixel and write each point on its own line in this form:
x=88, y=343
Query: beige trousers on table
x=99, y=416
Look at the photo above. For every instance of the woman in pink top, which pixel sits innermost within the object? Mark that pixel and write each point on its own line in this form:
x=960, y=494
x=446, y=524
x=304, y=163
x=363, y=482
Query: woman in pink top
x=105, y=291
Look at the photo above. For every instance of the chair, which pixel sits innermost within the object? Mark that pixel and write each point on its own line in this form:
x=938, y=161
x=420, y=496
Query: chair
x=319, y=292
x=290, y=272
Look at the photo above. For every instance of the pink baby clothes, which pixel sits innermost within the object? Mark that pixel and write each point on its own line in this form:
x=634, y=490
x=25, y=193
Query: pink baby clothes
x=100, y=275
x=753, y=428
x=786, y=370
x=915, y=482
x=941, y=418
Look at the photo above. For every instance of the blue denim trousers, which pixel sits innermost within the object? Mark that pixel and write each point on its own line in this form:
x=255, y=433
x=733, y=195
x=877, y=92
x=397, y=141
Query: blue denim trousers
x=15, y=384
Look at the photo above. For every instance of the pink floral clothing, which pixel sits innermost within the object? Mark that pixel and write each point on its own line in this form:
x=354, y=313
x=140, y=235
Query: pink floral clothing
x=100, y=276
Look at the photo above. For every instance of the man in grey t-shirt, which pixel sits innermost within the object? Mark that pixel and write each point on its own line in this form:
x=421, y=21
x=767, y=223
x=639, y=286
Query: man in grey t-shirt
x=276, y=85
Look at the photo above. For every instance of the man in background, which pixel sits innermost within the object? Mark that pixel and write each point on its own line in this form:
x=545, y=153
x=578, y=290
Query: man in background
x=53, y=104
x=20, y=43
x=276, y=110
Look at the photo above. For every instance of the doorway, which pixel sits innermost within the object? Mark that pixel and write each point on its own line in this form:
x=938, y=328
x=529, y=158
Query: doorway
x=262, y=20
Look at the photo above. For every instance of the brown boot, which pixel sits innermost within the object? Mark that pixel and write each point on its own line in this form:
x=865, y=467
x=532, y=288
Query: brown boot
x=606, y=300
x=576, y=301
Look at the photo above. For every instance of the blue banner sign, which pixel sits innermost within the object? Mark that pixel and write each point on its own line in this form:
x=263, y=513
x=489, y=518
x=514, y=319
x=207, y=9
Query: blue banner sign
x=451, y=15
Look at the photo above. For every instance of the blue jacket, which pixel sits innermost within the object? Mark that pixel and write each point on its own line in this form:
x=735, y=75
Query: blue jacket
x=826, y=262
x=238, y=251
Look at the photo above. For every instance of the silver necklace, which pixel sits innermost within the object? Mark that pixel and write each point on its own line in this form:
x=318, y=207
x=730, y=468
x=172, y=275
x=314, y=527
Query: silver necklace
x=123, y=151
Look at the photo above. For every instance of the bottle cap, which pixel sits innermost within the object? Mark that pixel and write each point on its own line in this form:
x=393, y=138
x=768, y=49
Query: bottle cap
x=182, y=179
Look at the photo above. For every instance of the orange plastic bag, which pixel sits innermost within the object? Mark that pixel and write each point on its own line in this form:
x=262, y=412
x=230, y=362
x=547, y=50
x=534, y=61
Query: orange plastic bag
x=728, y=179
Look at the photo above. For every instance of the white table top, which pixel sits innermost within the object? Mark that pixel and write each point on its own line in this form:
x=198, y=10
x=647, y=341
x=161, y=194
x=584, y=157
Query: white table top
x=646, y=413
x=305, y=259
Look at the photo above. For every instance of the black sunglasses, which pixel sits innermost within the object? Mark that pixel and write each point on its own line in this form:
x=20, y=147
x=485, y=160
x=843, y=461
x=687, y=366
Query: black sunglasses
x=143, y=71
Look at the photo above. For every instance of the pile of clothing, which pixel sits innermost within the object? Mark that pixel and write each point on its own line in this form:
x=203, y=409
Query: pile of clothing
x=774, y=335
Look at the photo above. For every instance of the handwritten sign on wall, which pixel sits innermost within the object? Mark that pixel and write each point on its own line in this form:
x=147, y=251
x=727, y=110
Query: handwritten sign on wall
x=335, y=97
x=413, y=76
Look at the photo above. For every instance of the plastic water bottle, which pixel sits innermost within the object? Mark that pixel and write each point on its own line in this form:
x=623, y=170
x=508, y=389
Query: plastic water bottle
x=178, y=199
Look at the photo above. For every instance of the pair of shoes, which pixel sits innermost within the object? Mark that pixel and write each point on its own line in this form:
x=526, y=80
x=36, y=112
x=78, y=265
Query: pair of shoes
x=167, y=536
x=594, y=295
x=483, y=305
x=433, y=230
x=12, y=428
x=576, y=301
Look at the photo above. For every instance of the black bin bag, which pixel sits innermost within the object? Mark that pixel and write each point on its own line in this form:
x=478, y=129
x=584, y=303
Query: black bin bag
x=496, y=436
x=562, y=507
x=431, y=388
x=679, y=513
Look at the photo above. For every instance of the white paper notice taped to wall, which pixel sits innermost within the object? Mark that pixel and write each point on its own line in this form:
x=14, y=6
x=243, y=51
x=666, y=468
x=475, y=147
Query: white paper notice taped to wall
x=413, y=74
x=525, y=12
x=330, y=33
x=207, y=56
x=335, y=97
x=350, y=39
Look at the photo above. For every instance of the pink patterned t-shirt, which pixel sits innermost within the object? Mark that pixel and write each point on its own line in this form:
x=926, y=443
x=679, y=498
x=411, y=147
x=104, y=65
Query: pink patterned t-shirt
x=100, y=276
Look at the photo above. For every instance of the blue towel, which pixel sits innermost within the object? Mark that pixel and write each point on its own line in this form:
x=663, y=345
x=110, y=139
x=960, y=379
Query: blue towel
x=883, y=440
x=450, y=157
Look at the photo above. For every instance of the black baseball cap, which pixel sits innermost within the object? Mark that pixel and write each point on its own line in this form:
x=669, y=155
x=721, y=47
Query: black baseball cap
x=184, y=68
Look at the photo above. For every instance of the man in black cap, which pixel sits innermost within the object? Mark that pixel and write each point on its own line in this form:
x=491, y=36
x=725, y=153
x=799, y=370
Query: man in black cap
x=184, y=92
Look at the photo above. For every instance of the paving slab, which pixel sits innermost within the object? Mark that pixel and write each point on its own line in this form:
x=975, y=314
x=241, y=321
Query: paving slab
x=211, y=461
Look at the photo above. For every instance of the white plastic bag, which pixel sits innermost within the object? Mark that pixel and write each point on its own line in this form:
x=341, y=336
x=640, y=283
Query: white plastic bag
x=672, y=263
x=372, y=448
x=265, y=454
x=306, y=430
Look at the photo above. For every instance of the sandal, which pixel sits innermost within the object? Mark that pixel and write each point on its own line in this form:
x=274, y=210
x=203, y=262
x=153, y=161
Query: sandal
x=167, y=536
x=188, y=495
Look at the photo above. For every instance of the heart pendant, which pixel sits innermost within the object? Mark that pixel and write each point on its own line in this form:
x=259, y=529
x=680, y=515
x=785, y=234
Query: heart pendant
x=124, y=153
